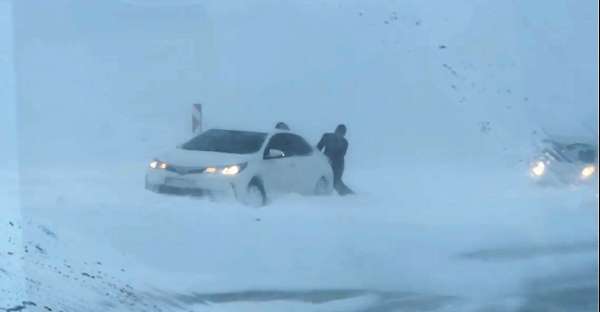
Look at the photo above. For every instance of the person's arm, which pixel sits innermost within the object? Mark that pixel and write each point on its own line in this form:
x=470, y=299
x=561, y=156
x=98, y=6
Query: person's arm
x=321, y=143
x=344, y=148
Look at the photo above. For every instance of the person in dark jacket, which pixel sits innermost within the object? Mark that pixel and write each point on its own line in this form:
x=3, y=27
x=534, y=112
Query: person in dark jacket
x=334, y=146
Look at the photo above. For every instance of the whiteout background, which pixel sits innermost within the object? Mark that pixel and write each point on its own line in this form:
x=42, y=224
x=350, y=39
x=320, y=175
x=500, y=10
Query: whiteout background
x=445, y=219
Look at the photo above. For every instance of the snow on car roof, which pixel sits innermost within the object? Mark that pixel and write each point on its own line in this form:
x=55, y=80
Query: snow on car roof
x=268, y=131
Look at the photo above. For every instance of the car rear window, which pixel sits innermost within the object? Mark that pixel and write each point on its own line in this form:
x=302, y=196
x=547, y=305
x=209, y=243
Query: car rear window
x=226, y=141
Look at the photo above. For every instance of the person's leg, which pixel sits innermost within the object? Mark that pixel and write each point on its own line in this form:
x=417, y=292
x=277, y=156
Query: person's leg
x=342, y=188
x=337, y=178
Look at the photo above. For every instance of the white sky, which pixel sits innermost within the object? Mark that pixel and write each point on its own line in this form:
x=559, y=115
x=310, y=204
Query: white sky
x=119, y=66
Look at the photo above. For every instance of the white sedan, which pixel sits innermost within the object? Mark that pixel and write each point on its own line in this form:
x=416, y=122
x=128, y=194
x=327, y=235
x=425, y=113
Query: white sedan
x=252, y=166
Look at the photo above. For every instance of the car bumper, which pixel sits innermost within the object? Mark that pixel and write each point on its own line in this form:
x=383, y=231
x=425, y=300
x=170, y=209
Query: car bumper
x=162, y=181
x=561, y=177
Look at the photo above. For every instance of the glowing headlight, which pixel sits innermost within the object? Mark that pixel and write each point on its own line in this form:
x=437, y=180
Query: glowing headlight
x=231, y=170
x=157, y=164
x=210, y=170
x=539, y=169
x=226, y=170
x=588, y=171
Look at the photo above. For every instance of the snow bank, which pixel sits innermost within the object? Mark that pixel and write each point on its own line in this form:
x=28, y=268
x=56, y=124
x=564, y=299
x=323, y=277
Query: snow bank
x=467, y=247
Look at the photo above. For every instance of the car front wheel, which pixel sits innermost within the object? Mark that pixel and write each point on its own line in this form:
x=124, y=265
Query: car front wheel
x=255, y=194
x=322, y=187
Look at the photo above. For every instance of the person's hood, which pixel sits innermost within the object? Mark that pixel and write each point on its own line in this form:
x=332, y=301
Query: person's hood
x=187, y=158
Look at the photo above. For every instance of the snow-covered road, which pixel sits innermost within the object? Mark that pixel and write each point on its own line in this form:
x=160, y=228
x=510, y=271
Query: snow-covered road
x=418, y=243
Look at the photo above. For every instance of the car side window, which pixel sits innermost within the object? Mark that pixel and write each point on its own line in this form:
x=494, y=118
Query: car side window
x=299, y=146
x=279, y=142
x=289, y=144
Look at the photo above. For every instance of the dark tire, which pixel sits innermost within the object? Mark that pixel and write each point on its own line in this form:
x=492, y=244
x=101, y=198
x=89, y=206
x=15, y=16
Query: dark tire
x=255, y=194
x=322, y=187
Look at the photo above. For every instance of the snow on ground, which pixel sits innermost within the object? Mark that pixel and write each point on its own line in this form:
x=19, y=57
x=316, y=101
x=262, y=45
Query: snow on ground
x=12, y=278
x=390, y=248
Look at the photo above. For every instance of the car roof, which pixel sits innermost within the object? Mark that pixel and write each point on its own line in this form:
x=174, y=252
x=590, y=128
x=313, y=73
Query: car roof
x=270, y=132
x=569, y=140
x=563, y=144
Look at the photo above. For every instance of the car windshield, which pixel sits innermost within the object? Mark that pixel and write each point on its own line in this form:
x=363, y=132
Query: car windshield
x=584, y=153
x=226, y=141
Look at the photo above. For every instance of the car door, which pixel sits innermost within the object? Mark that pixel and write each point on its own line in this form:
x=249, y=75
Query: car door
x=278, y=172
x=302, y=163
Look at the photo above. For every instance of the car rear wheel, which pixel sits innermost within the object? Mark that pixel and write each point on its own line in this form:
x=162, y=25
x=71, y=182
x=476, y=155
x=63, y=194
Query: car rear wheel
x=255, y=194
x=322, y=187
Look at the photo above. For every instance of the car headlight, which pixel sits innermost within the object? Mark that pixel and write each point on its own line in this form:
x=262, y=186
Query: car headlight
x=588, y=171
x=157, y=164
x=230, y=170
x=210, y=170
x=538, y=169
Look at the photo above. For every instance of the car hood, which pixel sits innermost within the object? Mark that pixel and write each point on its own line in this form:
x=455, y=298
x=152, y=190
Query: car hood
x=187, y=158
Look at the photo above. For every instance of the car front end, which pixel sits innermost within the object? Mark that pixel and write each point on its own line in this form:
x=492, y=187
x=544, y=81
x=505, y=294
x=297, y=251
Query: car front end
x=565, y=162
x=213, y=181
x=212, y=163
x=544, y=170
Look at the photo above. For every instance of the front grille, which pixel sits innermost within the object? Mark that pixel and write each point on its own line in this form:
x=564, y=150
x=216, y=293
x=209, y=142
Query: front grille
x=185, y=170
x=167, y=189
x=179, y=182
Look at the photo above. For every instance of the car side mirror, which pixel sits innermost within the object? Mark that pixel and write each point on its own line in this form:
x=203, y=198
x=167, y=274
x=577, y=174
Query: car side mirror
x=274, y=153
